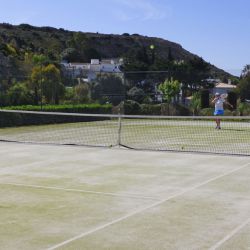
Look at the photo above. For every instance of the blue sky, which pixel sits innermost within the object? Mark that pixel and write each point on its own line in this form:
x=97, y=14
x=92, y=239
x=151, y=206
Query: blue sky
x=217, y=30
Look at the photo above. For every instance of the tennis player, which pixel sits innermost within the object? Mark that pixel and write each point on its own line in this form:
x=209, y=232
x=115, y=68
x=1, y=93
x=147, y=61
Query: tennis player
x=219, y=108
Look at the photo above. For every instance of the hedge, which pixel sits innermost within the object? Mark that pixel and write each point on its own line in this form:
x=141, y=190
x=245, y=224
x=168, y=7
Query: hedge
x=69, y=108
x=21, y=119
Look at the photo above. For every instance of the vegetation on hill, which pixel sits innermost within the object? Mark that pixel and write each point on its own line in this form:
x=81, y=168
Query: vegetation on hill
x=19, y=43
x=30, y=70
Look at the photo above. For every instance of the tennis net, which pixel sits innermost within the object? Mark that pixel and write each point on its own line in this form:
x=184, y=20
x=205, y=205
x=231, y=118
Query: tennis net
x=172, y=133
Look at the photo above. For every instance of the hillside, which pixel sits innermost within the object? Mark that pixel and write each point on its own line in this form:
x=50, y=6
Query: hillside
x=19, y=43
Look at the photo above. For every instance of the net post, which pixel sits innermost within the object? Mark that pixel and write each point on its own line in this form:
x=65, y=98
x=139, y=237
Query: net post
x=119, y=130
x=119, y=124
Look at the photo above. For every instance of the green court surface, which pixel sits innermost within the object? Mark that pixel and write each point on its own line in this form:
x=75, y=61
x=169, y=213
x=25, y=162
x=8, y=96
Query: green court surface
x=68, y=197
x=185, y=135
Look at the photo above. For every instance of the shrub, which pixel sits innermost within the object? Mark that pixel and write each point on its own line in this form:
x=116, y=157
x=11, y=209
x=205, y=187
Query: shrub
x=147, y=100
x=136, y=94
x=195, y=103
x=148, y=109
x=108, y=88
x=207, y=112
x=70, y=108
x=131, y=107
x=244, y=109
x=19, y=94
x=21, y=119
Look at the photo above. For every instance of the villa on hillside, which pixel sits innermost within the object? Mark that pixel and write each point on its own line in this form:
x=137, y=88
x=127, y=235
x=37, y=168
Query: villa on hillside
x=89, y=71
x=223, y=88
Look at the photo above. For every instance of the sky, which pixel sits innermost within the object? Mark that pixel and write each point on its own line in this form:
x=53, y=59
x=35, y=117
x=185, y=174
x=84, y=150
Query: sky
x=216, y=30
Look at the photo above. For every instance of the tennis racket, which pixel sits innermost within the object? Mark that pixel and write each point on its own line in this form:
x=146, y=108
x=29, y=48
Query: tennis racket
x=224, y=96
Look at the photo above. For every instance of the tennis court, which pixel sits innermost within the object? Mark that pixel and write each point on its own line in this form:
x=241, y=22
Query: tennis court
x=160, y=133
x=69, y=197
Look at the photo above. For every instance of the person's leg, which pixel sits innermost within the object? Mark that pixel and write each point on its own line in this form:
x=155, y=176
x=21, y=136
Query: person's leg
x=218, y=123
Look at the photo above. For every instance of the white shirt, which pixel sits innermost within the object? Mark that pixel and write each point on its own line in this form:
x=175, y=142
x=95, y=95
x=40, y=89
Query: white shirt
x=219, y=104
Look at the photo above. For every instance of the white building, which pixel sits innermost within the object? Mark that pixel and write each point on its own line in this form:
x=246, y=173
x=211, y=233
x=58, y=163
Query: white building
x=89, y=71
x=223, y=88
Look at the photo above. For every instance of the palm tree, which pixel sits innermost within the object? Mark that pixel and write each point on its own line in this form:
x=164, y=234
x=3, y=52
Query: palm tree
x=245, y=71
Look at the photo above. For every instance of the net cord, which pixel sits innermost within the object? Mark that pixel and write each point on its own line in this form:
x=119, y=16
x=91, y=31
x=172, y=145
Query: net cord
x=128, y=116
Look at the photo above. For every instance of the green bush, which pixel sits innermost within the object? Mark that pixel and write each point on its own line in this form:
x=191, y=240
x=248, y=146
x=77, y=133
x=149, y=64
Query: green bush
x=148, y=109
x=19, y=94
x=147, y=100
x=244, y=109
x=207, y=112
x=132, y=107
x=21, y=119
x=136, y=94
x=229, y=113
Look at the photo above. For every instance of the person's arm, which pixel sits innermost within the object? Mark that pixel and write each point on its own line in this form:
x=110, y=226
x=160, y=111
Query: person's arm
x=226, y=102
x=214, y=100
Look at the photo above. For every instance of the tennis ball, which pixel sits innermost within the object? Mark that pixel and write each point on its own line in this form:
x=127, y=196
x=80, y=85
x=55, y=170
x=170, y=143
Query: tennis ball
x=152, y=46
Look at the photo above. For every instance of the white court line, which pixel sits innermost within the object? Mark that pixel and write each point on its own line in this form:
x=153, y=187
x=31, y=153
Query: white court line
x=145, y=208
x=230, y=235
x=77, y=190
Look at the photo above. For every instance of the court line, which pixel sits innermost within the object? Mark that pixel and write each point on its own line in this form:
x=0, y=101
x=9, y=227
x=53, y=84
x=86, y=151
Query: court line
x=230, y=235
x=180, y=193
x=78, y=190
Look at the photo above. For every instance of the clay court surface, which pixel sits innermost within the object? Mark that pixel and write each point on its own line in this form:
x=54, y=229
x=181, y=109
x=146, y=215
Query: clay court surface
x=68, y=197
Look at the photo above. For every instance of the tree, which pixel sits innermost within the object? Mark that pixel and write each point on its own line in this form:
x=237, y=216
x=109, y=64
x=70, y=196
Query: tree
x=195, y=103
x=245, y=71
x=81, y=93
x=108, y=88
x=35, y=83
x=39, y=60
x=244, y=88
x=70, y=55
x=52, y=87
x=19, y=94
x=169, y=89
x=79, y=49
x=46, y=83
x=79, y=40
